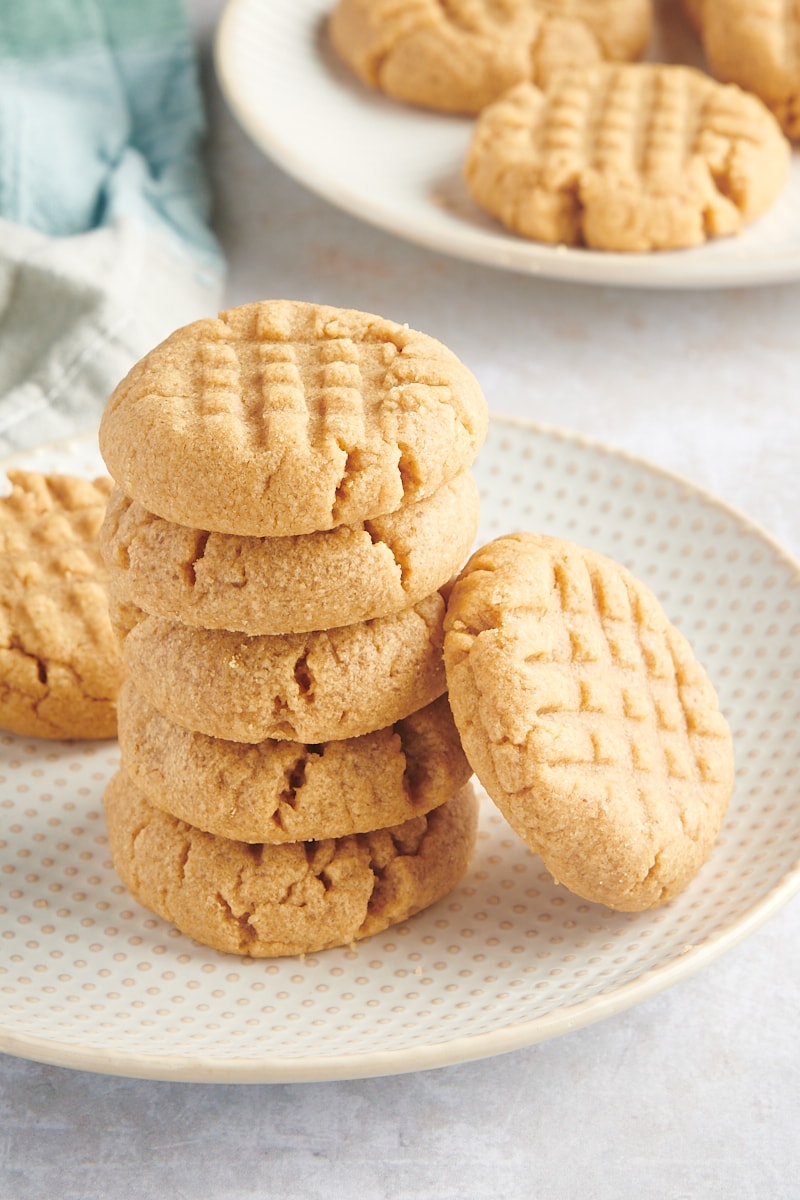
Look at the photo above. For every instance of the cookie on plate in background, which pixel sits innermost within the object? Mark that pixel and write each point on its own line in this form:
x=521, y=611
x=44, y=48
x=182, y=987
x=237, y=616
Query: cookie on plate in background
x=756, y=45
x=632, y=157
x=459, y=56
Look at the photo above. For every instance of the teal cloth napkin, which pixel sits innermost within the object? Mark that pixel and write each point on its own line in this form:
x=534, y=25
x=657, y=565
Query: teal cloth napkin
x=105, y=241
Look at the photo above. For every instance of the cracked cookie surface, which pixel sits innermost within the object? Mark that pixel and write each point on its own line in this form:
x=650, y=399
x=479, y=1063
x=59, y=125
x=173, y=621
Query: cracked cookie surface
x=308, y=687
x=291, y=584
x=282, y=417
x=587, y=718
x=460, y=55
x=629, y=158
x=268, y=901
x=60, y=665
x=282, y=791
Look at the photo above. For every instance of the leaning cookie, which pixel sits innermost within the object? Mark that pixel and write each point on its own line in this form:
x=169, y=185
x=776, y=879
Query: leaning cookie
x=267, y=901
x=460, y=56
x=307, y=687
x=60, y=666
x=757, y=45
x=282, y=417
x=587, y=718
x=292, y=584
x=627, y=158
x=281, y=791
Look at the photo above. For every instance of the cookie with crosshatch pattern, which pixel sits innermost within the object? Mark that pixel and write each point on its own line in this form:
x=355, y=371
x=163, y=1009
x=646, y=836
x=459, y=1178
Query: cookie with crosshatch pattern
x=60, y=665
x=461, y=55
x=587, y=718
x=630, y=157
x=283, y=417
x=264, y=900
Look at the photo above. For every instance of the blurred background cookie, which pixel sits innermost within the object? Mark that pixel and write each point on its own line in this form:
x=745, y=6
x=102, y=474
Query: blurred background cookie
x=635, y=157
x=460, y=56
x=755, y=44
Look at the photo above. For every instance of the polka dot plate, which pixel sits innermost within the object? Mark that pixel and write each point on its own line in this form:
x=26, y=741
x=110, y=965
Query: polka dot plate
x=89, y=979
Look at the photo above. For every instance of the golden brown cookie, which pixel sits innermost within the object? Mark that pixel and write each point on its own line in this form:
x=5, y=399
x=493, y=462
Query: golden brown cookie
x=307, y=687
x=587, y=718
x=282, y=417
x=267, y=901
x=280, y=791
x=628, y=158
x=59, y=661
x=461, y=55
x=756, y=43
x=292, y=584
x=694, y=13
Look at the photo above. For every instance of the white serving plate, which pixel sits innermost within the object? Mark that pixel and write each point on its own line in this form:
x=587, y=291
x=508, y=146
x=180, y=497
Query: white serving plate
x=399, y=168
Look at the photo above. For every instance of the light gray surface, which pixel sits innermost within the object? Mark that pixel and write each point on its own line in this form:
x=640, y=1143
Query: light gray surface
x=695, y=1093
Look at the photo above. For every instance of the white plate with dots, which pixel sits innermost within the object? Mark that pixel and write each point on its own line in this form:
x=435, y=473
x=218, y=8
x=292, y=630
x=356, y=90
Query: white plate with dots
x=89, y=979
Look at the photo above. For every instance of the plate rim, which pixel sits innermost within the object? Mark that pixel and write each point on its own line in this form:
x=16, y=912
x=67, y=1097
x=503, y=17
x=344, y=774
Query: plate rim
x=202, y=1067
x=501, y=250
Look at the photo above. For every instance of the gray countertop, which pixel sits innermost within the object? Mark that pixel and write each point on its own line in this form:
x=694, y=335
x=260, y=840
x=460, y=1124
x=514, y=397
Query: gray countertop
x=692, y=1093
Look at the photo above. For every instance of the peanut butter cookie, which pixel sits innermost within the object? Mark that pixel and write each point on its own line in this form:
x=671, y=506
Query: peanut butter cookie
x=281, y=418
x=756, y=43
x=307, y=687
x=290, y=584
x=60, y=666
x=267, y=901
x=281, y=791
x=587, y=718
x=460, y=55
x=628, y=158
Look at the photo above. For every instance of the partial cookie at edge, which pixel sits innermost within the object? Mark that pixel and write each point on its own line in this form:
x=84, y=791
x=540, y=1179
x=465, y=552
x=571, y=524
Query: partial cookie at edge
x=459, y=57
x=60, y=665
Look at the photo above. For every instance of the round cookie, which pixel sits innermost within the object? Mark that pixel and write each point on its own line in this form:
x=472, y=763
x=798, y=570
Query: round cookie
x=60, y=665
x=627, y=158
x=587, y=718
x=460, y=56
x=282, y=417
x=758, y=47
x=266, y=901
x=292, y=584
x=280, y=791
x=307, y=687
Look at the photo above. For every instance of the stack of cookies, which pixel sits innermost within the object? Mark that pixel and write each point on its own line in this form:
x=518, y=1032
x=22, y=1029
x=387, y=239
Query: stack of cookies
x=292, y=495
